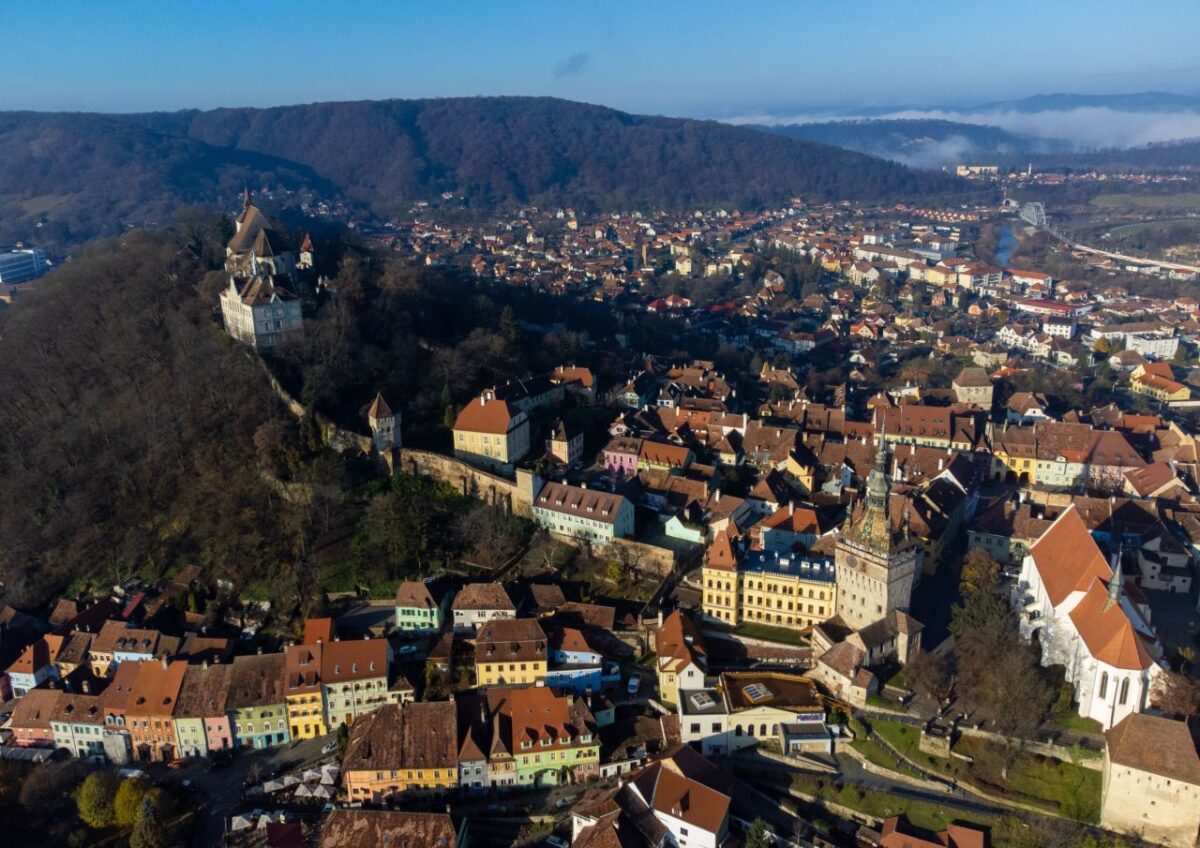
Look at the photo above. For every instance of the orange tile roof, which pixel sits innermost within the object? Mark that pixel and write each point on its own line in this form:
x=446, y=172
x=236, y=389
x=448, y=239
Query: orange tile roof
x=678, y=642
x=1107, y=631
x=318, y=630
x=791, y=519
x=721, y=554
x=156, y=689
x=1067, y=557
x=486, y=414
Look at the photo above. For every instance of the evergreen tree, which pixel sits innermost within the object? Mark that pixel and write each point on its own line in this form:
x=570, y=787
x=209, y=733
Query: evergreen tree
x=758, y=836
x=148, y=831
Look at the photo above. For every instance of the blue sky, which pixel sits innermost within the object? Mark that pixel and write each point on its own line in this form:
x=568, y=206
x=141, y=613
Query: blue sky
x=682, y=58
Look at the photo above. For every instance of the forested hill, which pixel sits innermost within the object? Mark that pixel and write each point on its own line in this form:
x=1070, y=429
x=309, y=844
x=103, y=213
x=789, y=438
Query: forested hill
x=82, y=175
x=1172, y=155
x=89, y=170
x=128, y=421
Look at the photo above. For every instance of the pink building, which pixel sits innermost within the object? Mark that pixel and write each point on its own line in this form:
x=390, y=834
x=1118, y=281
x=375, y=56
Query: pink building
x=621, y=456
x=218, y=730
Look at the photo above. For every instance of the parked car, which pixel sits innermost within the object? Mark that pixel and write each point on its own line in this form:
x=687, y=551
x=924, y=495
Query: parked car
x=408, y=649
x=635, y=683
x=329, y=747
x=177, y=763
x=556, y=842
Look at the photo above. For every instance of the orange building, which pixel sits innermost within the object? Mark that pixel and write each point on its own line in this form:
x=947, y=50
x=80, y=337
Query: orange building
x=150, y=707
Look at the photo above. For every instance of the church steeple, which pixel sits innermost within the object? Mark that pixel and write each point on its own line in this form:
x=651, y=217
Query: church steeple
x=1116, y=585
x=246, y=198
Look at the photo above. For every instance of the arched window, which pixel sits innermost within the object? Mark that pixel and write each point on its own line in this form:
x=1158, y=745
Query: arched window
x=1103, y=685
x=762, y=730
x=737, y=731
x=1124, y=690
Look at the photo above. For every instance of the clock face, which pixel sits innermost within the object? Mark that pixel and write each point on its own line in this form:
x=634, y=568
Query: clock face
x=852, y=561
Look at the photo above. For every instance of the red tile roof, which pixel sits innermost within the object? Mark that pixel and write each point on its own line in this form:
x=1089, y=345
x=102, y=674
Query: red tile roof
x=1067, y=557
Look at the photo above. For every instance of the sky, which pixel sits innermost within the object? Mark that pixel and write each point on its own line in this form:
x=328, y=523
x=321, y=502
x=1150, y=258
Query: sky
x=698, y=58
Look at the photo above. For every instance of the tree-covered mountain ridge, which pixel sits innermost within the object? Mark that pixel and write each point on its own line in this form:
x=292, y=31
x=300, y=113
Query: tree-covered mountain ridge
x=91, y=172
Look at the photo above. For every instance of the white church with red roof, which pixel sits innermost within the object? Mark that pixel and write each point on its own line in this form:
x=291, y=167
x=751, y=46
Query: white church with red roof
x=1086, y=618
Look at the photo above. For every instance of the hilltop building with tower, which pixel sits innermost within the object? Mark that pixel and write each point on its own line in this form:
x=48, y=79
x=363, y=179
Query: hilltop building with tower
x=259, y=306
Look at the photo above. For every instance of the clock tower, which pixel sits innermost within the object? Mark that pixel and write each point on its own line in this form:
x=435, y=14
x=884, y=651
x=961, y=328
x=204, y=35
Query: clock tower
x=876, y=564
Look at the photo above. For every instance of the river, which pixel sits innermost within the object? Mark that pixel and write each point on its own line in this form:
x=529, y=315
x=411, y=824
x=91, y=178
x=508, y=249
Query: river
x=1005, y=242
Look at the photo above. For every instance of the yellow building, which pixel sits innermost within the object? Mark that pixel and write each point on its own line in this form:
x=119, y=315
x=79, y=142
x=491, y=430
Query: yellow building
x=682, y=657
x=775, y=588
x=396, y=750
x=490, y=431
x=1014, y=452
x=1159, y=387
x=510, y=652
x=302, y=691
x=719, y=580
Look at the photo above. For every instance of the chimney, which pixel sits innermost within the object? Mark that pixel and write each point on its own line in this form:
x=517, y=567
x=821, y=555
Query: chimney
x=85, y=687
x=258, y=651
x=164, y=662
x=660, y=620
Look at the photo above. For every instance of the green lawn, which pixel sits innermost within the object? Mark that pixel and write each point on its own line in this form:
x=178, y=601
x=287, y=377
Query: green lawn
x=1074, y=721
x=772, y=634
x=878, y=804
x=907, y=740
x=1043, y=781
x=873, y=752
x=1071, y=789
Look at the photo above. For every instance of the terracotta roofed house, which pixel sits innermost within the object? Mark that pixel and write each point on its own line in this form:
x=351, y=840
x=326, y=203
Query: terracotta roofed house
x=150, y=709
x=510, y=651
x=491, y=432
x=354, y=678
x=682, y=657
x=397, y=749
x=417, y=611
x=304, y=694
x=896, y=832
x=477, y=603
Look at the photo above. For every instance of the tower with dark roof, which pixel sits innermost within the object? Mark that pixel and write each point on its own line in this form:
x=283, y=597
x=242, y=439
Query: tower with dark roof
x=385, y=425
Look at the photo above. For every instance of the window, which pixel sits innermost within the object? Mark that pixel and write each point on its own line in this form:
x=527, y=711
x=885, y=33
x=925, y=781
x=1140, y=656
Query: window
x=1103, y=685
x=1124, y=690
